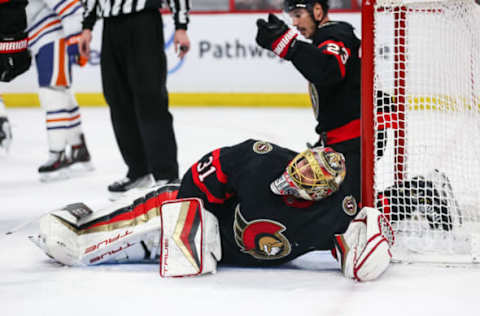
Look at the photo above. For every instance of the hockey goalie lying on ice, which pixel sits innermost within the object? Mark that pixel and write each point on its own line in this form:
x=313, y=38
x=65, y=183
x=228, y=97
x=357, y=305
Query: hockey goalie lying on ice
x=251, y=204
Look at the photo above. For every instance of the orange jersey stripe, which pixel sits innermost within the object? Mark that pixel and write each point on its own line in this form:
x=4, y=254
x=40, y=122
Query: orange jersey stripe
x=67, y=7
x=62, y=78
x=63, y=119
x=43, y=28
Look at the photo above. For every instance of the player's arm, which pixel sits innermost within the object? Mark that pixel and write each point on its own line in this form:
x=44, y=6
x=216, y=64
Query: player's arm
x=363, y=251
x=89, y=14
x=324, y=64
x=180, y=10
x=208, y=180
x=15, y=58
x=70, y=13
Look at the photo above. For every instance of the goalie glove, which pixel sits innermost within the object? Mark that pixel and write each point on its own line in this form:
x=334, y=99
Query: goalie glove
x=276, y=36
x=15, y=57
x=364, y=249
x=190, y=239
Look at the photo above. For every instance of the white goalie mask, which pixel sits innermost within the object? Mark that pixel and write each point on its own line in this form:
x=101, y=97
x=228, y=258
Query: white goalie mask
x=312, y=175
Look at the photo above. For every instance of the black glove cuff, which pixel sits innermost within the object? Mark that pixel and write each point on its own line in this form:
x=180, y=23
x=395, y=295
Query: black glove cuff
x=13, y=43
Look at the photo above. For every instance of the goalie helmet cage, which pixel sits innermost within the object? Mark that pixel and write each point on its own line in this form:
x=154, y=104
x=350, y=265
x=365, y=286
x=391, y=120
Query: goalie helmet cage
x=421, y=117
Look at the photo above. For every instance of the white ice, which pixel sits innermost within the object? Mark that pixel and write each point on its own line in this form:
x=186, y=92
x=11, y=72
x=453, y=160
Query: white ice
x=32, y=284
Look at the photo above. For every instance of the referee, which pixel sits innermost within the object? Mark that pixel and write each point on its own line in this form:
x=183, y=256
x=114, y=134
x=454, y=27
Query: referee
x=134, y=72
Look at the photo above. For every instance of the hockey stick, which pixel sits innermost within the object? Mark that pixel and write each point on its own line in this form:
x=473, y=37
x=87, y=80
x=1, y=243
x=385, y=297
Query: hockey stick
x=78, y=210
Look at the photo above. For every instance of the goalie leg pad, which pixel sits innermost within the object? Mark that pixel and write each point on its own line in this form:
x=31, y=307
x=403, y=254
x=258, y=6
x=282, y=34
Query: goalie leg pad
x=190, y=239
x=123, y=232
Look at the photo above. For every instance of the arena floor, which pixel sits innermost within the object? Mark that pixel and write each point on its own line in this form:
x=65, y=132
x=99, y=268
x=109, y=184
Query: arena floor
x=32, y=284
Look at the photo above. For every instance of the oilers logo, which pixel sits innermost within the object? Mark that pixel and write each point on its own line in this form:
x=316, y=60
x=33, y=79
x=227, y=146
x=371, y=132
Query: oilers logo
x=262, y=239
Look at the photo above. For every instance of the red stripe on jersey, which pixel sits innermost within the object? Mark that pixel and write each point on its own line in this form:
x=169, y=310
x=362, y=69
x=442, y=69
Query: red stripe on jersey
x=336, y=49
x=4, y=1
x=222, y=177
x=211, y=198
x=343, y=133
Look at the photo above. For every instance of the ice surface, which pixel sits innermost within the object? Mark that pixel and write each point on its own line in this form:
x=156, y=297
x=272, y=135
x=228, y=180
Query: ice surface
x=32, y=284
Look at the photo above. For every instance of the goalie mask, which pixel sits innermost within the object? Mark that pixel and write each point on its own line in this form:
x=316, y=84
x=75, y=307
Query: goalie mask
x=312, y=175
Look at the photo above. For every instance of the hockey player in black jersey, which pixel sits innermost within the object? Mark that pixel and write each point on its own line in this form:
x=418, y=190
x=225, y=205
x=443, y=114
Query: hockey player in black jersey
x=250, y=204
x=331, y=64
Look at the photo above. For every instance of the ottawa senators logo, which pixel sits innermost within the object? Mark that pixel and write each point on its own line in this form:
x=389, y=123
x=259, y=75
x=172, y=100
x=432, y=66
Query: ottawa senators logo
x=261, y=147
x=349, y=205
x=262, y=239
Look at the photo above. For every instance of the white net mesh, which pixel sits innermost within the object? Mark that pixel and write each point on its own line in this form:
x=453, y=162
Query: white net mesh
x=427, y=88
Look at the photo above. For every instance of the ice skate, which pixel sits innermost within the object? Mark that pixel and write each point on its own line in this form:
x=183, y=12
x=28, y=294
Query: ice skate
x=120, y=189
x=56, y=167
x=80, y=159
x=5, y=134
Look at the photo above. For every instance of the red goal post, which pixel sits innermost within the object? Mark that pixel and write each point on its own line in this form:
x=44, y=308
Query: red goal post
x=421, y=120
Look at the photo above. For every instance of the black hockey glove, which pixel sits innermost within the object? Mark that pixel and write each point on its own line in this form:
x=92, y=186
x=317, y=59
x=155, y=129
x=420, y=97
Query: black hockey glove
x=15, y=58
x=276, y=36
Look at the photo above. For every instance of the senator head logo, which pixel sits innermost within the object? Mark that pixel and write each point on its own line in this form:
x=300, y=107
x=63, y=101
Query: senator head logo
x=262, y=238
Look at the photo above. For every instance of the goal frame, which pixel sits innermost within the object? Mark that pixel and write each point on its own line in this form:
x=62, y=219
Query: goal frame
x=396, y=120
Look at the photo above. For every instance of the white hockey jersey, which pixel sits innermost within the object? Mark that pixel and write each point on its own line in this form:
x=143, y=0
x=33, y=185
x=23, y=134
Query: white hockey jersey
x=48, y=20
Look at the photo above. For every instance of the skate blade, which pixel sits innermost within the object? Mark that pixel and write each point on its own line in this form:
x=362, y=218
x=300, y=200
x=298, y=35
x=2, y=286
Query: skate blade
x=53, y=176
x=80, y=168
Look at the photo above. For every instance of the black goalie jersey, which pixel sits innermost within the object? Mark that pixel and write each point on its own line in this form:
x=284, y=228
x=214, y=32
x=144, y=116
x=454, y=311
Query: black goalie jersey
x=258, y=227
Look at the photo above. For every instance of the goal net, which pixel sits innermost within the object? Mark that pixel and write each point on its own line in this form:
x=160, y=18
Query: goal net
x=421, y=125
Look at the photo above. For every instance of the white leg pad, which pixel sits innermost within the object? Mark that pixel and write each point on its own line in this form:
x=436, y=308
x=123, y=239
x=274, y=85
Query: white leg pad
x=190, y=239
x=123, y=232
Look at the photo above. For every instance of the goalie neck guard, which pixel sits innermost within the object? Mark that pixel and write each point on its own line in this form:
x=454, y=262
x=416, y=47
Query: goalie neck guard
x=312, y=175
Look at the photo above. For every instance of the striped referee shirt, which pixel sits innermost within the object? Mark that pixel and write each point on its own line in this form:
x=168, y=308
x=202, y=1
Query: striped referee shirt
x=109, y=8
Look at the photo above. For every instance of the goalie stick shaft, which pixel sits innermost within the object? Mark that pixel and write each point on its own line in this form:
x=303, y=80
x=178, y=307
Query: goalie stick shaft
x=21, y=226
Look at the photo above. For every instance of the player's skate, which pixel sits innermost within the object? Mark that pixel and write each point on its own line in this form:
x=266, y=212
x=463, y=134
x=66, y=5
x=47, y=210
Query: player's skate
x=5, y=134
x=80, y=158
x=120, y=188
x=56, y=167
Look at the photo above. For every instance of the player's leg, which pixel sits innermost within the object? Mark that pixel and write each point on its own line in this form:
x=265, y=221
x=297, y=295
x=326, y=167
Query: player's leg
x=79, y=154
x=118, y=94
x=125, y=231
x=148, y=79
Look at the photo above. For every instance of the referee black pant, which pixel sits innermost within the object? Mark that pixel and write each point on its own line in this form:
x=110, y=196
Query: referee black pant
x=134, y=73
